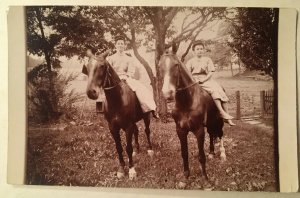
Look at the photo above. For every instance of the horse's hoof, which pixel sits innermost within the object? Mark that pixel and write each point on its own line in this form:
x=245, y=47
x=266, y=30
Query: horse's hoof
x=181, y=185
x=132, y=173
x=120, y=175
x=223, y=157
x=121, y=172
x=150, y=153
x=186, y=174
x=210, y=156
x=133, y=153
x=206, y=184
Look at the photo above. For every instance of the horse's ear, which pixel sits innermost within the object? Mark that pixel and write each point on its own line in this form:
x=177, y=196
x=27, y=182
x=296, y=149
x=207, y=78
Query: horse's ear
x=84, y=70
x=174, y=48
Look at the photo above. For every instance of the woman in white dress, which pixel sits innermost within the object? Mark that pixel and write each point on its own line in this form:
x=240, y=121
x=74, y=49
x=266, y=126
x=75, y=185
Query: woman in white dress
x=202, y=69
x=123, y=64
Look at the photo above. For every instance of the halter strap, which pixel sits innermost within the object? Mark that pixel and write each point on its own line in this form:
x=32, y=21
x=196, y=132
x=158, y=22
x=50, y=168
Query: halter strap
x=183, y=88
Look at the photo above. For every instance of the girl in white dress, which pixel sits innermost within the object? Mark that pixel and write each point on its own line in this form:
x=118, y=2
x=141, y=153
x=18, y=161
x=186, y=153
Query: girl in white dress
x=124, y=67
x=202, y=69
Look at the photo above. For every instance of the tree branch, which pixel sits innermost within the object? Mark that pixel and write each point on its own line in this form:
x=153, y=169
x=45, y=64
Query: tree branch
x=141, y=59
x=169, y=17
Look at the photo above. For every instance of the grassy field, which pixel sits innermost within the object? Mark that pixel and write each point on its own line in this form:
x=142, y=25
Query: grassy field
x=86, y=155
x=83, y=153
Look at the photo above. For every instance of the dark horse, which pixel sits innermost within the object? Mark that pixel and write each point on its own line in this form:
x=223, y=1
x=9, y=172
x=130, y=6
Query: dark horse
x=194, y=109
x=122, y=109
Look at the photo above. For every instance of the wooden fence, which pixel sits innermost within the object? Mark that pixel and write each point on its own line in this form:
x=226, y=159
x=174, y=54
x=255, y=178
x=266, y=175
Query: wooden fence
x=266, y=105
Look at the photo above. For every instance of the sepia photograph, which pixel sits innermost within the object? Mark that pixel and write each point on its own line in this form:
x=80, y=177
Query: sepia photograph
x=152, y=97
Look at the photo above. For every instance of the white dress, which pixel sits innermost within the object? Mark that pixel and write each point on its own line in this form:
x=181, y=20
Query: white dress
x=200, y=67
x=124, y=67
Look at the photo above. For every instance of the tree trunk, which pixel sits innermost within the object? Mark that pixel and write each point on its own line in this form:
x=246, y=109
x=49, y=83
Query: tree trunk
x=160, y=47
x=52, y=106
x=146, y=66
x=148, y=70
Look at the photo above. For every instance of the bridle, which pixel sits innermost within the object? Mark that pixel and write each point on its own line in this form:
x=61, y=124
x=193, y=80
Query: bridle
x=179, y=76
x=108, y=75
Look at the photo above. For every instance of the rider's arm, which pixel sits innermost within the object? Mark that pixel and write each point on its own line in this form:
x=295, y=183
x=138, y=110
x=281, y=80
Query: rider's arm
x=130, y=67
x=210, y=69
x=189, y=66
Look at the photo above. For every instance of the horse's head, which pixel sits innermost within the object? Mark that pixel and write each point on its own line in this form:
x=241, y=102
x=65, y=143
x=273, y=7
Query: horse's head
x=169, y=64
x=96, y=71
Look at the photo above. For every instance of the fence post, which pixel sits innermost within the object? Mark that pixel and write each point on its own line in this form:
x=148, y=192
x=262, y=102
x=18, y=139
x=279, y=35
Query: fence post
x=238, y=105
x=262, y=103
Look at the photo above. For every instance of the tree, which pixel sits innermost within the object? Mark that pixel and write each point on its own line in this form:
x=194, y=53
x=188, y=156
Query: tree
x=73, y=26
x=53, y=32
x=155, y=23
x=255, y=38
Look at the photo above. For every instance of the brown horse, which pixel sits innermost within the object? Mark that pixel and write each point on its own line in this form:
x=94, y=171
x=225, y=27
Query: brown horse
x=194, y=109
x=122, y=109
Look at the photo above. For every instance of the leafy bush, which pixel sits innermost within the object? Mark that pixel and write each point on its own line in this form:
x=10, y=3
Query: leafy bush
x=48, y=96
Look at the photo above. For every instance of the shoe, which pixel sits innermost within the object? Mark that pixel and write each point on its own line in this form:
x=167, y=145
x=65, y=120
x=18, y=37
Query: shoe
x=155, y=114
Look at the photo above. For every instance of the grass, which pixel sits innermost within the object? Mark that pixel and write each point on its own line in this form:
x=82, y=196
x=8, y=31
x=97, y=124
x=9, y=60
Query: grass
x=86, y=156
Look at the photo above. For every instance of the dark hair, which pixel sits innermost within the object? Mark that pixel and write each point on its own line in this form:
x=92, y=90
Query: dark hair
x=197, y=43
x=89, y=47
x=119, y=37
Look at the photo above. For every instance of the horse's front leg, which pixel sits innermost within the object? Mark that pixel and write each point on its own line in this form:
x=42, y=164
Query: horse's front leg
x=129, y=150
x=200, y=135
x=182, y=135
x=222, y=150
x=116, y=135
x=148, y=132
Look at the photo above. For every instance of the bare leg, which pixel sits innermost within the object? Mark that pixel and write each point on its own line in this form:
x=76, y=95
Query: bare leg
x=220, y=108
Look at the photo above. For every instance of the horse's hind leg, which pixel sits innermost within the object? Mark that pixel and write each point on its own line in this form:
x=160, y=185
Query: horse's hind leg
x=116, y=135
x=222, y=150
x=129, y=150
x=136, y=140
x=211, y=147
x=148, y=133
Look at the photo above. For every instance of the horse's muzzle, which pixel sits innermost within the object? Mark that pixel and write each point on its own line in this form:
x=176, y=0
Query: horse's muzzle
x=92, y=94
